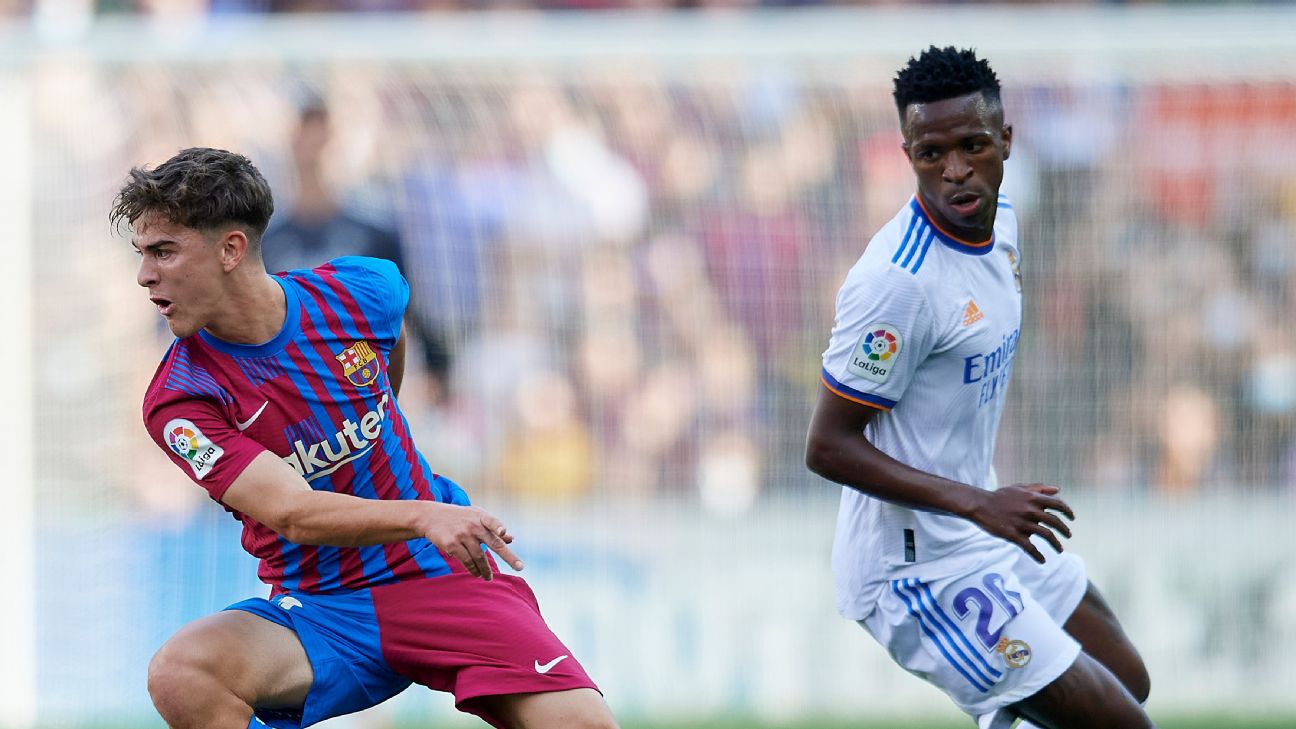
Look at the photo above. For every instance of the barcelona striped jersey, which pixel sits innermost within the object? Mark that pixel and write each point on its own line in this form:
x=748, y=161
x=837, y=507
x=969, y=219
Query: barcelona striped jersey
x=318, y=396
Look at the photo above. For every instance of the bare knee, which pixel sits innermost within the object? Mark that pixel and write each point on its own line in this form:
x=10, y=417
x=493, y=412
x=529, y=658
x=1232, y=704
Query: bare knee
x=193, y=678
x=178, y=677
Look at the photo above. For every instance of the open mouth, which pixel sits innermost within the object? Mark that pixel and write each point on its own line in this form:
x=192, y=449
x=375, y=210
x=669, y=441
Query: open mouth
x=965, y=203
x=165, y=306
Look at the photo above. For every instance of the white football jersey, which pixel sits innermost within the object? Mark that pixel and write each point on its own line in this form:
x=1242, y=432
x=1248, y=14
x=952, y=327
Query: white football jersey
x=926, y=331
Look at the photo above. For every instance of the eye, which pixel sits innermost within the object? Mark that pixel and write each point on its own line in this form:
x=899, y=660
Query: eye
x=163, y=254
x=927, y=154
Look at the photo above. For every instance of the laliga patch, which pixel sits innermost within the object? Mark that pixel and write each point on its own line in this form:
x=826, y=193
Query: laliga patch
x=185, y=440
x=876, y=354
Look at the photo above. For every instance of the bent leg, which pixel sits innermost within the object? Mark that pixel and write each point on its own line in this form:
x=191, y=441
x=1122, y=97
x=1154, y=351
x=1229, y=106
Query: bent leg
x=1086, y=695
x=582, y=708
x=1100, y=635
x=212, y=672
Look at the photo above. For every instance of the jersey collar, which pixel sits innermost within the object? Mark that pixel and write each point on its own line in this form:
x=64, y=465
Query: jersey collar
x=291, y=325
x=958, y=244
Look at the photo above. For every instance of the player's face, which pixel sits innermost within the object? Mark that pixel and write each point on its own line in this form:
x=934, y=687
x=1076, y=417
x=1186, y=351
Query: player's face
x=957, y=148
x=182, y=270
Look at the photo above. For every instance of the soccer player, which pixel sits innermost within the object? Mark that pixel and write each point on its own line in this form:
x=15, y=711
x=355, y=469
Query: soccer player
x=964, y=583
x=278, y=397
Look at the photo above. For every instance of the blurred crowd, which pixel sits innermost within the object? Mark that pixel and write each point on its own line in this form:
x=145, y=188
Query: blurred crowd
x=622, y=282
x=178, y=8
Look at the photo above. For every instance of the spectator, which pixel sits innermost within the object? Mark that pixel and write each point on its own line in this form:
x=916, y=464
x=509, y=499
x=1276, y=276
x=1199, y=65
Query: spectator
x=317, y=227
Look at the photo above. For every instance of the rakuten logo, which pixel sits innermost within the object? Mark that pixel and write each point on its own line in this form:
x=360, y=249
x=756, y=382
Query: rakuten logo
x=352, y=441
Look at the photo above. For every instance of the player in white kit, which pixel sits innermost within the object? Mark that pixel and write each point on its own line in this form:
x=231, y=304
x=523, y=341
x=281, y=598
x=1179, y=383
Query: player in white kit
x=963, y=582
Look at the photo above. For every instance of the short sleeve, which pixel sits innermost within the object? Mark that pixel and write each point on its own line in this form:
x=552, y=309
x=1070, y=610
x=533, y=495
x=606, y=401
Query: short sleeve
x=883, y=331
x=200, y=440
x=380, y=291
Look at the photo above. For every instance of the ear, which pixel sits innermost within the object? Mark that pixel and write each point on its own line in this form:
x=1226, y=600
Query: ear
x=233, y=249
x=1007, y=139
x=904, y=133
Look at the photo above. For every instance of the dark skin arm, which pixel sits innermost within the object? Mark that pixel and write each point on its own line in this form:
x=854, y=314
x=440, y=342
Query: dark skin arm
x=837, y=449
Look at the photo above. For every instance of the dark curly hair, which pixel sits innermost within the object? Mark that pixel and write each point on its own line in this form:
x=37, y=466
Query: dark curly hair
x=944, y=73
x=199, y=188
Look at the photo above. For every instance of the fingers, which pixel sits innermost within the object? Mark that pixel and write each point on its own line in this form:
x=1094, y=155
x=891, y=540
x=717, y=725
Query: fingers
x=1047, y=535
x=483, y=567
x=1031, y=513
x=498, y=539
x=494, y=527
x=1029, y=548
x=1059, y=506
x=1053, y=522
x=507, y=555
x=465, y=533
x=464, y=556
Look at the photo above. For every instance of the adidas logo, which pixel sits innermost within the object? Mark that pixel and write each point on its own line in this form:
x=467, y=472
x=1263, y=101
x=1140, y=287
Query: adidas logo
x=972, y=314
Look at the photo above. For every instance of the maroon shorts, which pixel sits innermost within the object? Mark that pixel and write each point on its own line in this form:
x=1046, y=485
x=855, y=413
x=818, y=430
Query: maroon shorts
x=456, y=633
x=473, y=638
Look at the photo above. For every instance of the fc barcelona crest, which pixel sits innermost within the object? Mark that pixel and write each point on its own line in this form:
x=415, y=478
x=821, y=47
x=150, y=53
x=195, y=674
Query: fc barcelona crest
x=359, y=364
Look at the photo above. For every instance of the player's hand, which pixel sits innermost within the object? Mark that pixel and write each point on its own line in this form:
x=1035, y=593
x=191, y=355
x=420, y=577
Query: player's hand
x=1020, y=511
x=460, y=532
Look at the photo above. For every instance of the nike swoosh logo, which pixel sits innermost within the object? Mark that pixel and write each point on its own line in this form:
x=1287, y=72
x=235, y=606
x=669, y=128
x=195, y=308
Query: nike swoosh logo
x=248, y=423
x=546, y=667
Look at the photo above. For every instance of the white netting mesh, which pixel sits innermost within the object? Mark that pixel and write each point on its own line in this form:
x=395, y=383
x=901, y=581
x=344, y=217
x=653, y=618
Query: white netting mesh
x=629, y=264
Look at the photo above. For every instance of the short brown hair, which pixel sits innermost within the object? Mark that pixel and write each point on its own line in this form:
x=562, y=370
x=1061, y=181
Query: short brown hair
x=199, y=188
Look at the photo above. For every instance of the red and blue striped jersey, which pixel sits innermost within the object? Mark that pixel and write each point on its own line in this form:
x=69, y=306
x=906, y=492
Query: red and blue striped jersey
x=318, y=396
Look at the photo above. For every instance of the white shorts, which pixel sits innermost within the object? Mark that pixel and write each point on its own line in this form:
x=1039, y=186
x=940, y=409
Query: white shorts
x=988, y=635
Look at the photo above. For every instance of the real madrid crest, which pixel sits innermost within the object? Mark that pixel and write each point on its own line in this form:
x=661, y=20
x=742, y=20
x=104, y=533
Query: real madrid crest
x=359, y=363
x=1016, y=269
x=1016, y=653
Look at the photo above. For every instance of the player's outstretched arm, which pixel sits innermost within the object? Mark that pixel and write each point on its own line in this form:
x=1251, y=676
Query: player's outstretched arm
x=271, y=492
x=837, y=449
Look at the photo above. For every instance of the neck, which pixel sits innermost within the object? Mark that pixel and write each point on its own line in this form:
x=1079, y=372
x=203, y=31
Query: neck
x=975, y=234
x=253, y=311
x=314, y=201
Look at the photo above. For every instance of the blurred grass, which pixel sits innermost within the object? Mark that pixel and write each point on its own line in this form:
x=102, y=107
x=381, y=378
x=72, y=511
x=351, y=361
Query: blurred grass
x=1216, y=721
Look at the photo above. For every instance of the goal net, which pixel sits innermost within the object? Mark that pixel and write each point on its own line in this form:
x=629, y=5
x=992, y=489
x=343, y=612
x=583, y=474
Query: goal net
x=623, y=236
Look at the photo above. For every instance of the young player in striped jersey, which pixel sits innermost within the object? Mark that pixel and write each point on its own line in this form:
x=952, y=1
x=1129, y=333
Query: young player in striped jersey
x=964, y=583
x=279, y=398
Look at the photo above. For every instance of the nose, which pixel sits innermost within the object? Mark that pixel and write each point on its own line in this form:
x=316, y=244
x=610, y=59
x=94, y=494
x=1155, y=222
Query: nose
x=957, y=168
x=146, y=276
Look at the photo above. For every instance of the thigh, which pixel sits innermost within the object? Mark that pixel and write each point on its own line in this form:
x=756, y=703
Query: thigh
x=259, y=661
x=1100, y=634
x=582, y=708
x=341, y=639
x=1085, y=695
